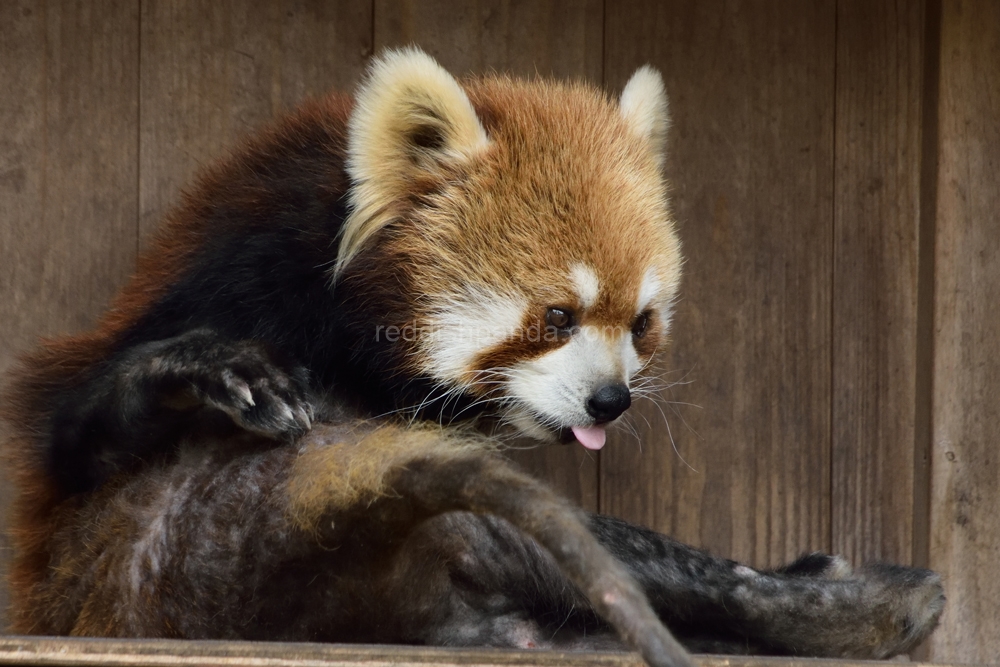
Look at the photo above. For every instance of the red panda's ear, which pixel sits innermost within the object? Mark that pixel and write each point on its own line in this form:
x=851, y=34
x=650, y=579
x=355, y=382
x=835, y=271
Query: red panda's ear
x=410, y=118
x=644, y=106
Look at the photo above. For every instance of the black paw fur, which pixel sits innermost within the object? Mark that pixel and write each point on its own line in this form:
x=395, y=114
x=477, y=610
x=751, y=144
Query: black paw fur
x=139, y=403
x=241, y=379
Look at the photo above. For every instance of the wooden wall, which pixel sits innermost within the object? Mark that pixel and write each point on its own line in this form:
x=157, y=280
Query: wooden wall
x=835, y=375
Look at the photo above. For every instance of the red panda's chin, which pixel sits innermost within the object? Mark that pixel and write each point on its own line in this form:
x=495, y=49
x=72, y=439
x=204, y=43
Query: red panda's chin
x=564, y=436
x=524, y=423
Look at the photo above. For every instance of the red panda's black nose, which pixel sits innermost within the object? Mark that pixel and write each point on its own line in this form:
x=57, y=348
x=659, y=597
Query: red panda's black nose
x=609, y=402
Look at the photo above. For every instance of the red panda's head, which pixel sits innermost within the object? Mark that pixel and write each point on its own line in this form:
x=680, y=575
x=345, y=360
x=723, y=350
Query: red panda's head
x=527, y=225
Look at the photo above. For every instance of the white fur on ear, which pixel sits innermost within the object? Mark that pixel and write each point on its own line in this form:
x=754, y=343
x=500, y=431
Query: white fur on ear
x=410, y=117
x=644, y=106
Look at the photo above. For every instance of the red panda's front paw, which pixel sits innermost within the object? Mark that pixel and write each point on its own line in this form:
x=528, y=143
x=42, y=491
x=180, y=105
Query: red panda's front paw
x=239, y=378
x=259, y=396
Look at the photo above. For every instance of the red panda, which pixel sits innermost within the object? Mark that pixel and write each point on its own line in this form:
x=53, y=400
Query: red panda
x=287, y=424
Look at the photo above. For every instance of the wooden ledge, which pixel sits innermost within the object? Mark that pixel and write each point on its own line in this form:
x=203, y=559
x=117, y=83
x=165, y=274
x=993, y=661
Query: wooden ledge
x=172, y=653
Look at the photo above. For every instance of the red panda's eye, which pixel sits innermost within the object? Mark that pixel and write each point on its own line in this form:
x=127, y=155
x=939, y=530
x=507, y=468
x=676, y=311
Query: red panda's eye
x=559, y=318
x=640, y=324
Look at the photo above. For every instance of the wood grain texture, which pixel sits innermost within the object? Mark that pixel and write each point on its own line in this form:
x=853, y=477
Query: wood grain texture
x=750, y=161
x=560, y=38
x=965, y=519
x=554, y=38
x=876, y=222
x=213, y=70
x=68, y=174
x=68, y=165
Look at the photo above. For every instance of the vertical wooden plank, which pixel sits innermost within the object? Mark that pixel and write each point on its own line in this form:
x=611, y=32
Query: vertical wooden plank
x=751, y=165
x=68, y=160
x=876, y=221
x=69, y=128
x=215, y=69
x=965, y=463
x=561, y=38
x=22, y=49
x=6, y=497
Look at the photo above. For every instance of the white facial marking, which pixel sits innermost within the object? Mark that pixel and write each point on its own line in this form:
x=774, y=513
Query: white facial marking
x=656, y=294
x=586, y=284
x=630, y=358
x=555, y=387
x=649, y=292
x=465, y=326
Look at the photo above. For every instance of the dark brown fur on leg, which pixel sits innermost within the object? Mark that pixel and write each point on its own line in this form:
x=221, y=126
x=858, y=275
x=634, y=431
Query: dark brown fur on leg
x=323, y=541
x=489, y=486
x=429, y=476
x=815, y=606
x=241, y=539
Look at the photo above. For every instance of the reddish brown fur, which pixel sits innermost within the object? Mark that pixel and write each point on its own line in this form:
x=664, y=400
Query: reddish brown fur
x=27, y=401
x=549, y=191
x=554, y=211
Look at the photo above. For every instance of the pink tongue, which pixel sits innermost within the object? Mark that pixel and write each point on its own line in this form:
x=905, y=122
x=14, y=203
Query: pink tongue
x=591, y=437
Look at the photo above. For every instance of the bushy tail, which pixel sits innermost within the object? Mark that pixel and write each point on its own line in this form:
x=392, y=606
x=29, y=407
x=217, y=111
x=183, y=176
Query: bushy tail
x=403, y=476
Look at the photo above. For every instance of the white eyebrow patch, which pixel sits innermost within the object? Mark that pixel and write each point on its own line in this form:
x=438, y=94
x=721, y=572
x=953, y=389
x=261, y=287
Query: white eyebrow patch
x=649, y=290
x=586, y=284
